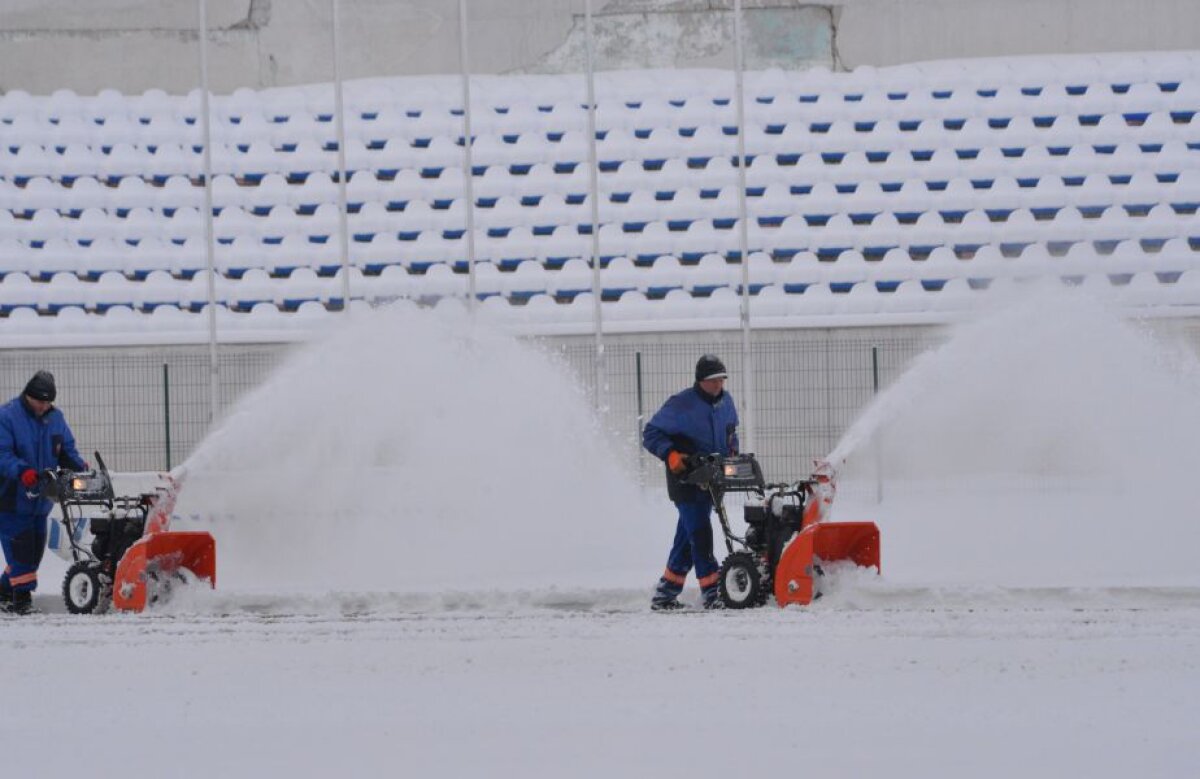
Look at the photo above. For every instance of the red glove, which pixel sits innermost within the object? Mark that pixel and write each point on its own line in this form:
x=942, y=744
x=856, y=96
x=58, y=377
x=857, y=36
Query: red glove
x=676, y=461
x=29, y=478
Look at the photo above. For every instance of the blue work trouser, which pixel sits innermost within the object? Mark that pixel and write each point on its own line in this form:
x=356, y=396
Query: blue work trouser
x=693, y=547
x=23, y=540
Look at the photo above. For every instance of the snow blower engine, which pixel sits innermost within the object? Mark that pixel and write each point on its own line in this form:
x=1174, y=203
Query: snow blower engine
x=788, y=543
x=133, y=559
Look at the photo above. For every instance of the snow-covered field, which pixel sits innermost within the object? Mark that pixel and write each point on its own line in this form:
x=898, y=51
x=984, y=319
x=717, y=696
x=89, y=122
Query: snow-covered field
x=431, y=563
x=897, y=682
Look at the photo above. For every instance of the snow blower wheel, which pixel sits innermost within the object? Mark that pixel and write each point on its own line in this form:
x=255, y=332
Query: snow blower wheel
x=83, y=590
x=742, y=584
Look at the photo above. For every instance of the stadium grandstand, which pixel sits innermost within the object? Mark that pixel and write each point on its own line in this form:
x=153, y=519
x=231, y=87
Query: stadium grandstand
x=850, y=176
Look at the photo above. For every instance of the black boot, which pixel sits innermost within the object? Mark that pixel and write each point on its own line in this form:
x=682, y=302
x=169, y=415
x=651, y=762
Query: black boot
x=712, y=598
x=21, y=603
x=665, y=595
x=5, y=594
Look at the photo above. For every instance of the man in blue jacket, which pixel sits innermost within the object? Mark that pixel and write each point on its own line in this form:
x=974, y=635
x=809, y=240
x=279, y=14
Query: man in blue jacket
x=34, y=436
x=702, y=419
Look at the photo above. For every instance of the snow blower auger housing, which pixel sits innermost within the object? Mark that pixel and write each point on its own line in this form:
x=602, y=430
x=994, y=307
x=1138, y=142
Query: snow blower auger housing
x=133, y=559
x=787, y=540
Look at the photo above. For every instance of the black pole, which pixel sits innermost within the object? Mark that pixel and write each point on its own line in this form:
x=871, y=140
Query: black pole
x=641, y=410
x=641, y=413
x=167, y=411
x=878, y=452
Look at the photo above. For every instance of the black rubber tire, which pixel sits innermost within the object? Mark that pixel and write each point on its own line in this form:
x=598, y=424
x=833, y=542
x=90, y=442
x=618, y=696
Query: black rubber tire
x=742, y=584
x=83, y=591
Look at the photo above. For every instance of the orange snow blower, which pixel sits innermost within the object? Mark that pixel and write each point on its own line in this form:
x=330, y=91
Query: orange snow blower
x=133, y=559
x=788, y=542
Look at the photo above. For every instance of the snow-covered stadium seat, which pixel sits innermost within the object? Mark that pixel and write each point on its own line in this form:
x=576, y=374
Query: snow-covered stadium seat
x=865, y=191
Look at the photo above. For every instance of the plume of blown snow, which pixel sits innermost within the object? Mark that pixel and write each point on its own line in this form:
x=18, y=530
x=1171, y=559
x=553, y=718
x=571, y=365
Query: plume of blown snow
x=410, y=450
x=1051, y=443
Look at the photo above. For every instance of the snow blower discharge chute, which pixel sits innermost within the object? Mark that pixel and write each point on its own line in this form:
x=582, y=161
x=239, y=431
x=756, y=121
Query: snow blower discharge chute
x=133, y=559
x=788, y=543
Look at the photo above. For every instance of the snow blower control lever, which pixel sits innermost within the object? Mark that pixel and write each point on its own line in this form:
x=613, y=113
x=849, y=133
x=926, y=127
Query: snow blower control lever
x=79, y=488
x=739, y=473
x=787, y=539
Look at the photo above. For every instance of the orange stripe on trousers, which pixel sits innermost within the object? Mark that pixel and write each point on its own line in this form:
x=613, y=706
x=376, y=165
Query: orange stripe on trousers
x=673, y=577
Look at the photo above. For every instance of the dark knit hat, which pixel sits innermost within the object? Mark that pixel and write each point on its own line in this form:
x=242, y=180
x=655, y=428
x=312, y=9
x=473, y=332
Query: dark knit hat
x=41, y=386
x=710, y=367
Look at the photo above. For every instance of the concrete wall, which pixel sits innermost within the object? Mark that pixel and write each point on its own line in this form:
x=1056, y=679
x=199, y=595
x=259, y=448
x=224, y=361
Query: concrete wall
x=134, y=45
x=890, y=32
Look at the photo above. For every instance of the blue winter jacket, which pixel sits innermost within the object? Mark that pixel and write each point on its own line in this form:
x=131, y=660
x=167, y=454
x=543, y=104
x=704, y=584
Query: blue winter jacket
x=692, y=422
x=29, y=442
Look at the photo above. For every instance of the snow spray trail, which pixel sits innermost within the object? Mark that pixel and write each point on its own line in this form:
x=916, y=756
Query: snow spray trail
x=411, y=451
x=1047, y=443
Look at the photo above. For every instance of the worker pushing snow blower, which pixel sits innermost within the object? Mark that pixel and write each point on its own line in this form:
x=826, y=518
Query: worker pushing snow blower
x=788, y=542
x=133, y=558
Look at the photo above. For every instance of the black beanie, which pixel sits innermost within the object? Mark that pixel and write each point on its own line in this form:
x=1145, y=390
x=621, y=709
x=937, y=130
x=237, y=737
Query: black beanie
x=710, y=367
x=41, y=386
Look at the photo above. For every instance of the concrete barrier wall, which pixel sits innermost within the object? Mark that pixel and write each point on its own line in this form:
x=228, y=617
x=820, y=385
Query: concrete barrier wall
x=134, y=45
x=891, y=32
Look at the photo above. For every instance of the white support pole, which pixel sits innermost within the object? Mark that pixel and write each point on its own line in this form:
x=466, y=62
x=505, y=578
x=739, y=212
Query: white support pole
x=339, y=118
x=594, y=200
x=468, y=157
x=209, y=242
x=744, y=229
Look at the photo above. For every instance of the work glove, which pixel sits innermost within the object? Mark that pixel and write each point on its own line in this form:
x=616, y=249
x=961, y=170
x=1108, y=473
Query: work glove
x=677, y=461
x=29, y=478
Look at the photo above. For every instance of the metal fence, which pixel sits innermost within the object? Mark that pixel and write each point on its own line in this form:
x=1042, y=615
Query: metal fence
x=142, y=409
x=808, y=385
x=147, y=409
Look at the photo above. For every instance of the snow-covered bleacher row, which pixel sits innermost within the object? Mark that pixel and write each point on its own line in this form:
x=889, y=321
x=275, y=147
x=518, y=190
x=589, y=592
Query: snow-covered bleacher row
x=872, y=193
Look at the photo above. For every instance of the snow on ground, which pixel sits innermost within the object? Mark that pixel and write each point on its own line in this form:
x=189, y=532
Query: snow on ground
x=416, y=578
x=891, y=682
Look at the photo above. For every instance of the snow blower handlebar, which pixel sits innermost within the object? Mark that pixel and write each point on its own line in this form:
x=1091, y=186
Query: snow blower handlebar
x=738, y=473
